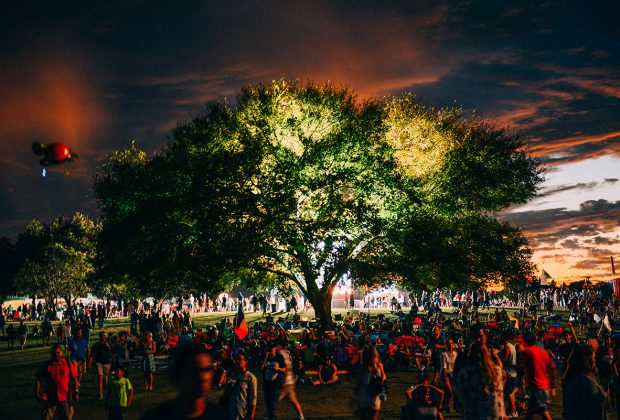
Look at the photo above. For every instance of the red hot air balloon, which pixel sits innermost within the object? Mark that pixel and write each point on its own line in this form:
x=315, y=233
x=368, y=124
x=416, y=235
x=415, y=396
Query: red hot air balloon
x=53, y=153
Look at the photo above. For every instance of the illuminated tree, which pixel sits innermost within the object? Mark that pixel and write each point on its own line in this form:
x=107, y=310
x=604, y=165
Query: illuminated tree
x=304, y=184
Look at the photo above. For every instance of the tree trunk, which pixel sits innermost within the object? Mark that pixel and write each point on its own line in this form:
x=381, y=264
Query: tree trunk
x=322, y=303
x=68, y=302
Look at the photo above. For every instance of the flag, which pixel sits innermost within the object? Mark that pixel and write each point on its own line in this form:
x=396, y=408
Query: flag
x=241, y=327
x=616, y=281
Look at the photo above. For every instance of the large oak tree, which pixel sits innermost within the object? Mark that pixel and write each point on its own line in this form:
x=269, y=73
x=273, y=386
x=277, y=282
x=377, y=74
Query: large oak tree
x=302, y=184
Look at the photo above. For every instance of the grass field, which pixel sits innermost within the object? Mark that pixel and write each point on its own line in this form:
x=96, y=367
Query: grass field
x=17, y=369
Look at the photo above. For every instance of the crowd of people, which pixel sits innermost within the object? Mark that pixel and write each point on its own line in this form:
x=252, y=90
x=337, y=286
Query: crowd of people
x=489, y=366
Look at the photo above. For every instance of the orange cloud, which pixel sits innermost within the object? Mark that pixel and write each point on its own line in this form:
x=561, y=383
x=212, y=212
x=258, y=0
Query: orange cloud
x=49, y=100
x=524, y=115
x=602, y=87
x=320, y=42
x=567, y=142
x=568, y=243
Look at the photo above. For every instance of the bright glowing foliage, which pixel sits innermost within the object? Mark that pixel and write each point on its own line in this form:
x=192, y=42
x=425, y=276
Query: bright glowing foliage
x=416, y=134
x=302, y=184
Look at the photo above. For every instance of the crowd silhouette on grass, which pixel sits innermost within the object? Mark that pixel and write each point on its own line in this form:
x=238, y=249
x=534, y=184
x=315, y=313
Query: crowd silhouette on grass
x=505, y=363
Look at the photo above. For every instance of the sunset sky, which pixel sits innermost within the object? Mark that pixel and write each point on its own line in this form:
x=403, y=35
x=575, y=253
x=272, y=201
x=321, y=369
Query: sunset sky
x=96, y=75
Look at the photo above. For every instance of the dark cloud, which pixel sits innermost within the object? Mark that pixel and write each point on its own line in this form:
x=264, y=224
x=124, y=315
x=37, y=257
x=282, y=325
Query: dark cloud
x=561, y=152
x=602, y=240
x=570, y=243
x=598, y=206
x=545, y=228
x=599, y=252
x=563, y=188
x=590, y=264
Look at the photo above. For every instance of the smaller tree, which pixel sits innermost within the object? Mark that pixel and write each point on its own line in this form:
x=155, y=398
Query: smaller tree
x=60, y=271
x=57, y=259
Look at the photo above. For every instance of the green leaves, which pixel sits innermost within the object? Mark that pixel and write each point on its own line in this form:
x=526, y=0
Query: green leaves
x=300, y=183
x=486, y=170
x=58, y=259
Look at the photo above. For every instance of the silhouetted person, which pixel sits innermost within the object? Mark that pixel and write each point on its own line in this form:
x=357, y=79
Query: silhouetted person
x=192, y=374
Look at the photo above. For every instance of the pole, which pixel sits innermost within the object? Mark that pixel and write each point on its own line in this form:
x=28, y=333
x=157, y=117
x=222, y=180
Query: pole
x=613, y=279
x=235, y=325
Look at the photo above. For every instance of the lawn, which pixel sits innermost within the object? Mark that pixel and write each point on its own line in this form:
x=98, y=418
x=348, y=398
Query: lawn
x=17, y=368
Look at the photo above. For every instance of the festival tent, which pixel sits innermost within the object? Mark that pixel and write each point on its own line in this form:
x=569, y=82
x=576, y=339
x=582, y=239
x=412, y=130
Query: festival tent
x=544, y=278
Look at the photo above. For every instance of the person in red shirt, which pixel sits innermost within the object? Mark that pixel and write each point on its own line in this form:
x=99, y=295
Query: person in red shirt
x=58, y=377
x=540, y=372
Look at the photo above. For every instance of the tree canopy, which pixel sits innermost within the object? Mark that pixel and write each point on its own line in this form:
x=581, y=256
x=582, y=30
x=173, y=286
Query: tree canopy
x=303, y=183
x=57, y=259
